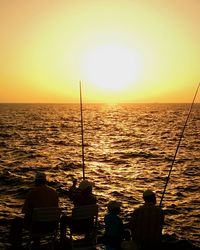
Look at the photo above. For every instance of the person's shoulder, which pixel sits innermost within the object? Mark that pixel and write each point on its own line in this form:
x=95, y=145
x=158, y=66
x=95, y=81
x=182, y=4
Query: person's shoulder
x=160, y=210
x=49, y=189
x=32, y=191
x=106, y=216
x=119, y=218
x=137, y=209
x=91, y=198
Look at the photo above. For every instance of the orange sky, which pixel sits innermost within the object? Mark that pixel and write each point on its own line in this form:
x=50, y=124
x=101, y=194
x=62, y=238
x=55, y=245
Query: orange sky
x=122, y=50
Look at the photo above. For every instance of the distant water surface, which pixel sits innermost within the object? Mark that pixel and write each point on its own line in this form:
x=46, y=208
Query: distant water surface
x=128, y=148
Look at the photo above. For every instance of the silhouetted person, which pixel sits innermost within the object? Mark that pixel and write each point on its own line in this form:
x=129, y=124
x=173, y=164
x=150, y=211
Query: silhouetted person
x=83, y=195
x=114, y=228
x=79, y=196
x=146, y=222
x=40, y=196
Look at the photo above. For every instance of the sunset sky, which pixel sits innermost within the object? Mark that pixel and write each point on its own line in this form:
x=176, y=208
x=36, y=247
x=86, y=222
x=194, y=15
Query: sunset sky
x=121, y=50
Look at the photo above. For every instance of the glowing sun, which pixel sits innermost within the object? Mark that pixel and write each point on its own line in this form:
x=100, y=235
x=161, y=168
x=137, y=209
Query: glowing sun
x=111, y=67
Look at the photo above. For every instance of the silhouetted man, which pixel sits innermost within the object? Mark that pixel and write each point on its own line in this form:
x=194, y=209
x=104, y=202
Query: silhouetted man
x=40, y=196
x=146, y=222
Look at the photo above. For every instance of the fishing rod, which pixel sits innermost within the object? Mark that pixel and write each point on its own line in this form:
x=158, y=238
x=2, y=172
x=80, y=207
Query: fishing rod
x=178, y=145
x=82, y=138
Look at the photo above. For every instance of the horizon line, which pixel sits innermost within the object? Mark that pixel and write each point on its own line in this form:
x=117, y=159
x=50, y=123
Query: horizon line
x=98, y=103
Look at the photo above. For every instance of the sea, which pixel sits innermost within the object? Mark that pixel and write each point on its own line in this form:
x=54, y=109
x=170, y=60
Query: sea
x=127, y=148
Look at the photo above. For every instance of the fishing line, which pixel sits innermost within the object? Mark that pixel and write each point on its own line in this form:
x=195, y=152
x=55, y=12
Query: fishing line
x=82, y=138
x=178, y=145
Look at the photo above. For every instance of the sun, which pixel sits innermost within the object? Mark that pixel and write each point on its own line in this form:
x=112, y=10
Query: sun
x=111, y=67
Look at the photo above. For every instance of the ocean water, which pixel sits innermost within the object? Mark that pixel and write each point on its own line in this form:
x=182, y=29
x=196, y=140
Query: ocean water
x=127, y=147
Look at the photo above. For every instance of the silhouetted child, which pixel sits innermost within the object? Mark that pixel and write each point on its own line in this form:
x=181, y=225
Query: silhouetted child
x=114, y=228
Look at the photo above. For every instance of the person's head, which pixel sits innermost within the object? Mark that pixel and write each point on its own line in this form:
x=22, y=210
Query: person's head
x=114, y=207
x=40, y=178
x=149, y=196
x=86, y=186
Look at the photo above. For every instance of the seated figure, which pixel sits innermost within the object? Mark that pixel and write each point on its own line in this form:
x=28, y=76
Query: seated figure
x=114, y=228
x=79, y=196
x=40, y=196
x=146, y=222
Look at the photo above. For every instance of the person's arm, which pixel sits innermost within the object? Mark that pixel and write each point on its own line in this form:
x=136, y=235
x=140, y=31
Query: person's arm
x=72, y=190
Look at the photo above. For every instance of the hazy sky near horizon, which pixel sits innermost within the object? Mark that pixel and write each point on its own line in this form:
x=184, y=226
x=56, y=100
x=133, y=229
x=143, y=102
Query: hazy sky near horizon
x=121, y=50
